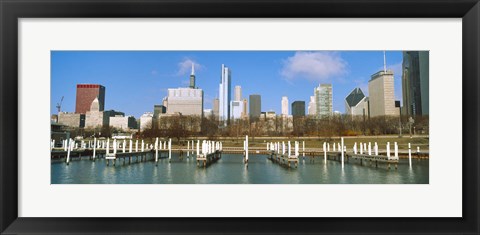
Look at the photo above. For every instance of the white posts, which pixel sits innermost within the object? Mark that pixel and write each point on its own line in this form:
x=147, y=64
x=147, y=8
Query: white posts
x=303, y=148
x=143, y=146
x=342, y=153
x=123, y=145
x=328, y=147
x=339, y=147
x=297, y=148
x=198, y=147
x=165, y=145
x=409, y=155
x=283, y=147
x=361, y=148
x=388, y=150
x=355, y=148
x=107, y=150
x=396, y=150
x=156, y=149
x=418, y=150
x=169, y=149
x=369, y=148
x=188, y=148
x=130, y=147
x=68, y=151
x=246, y=146
x=94, y=147
x=114, y=146
x=52, y=145
x=334, y=147
x=324, y=152
x=64, y=145
x=268, y=146
x=376, y=149
x=136, y=145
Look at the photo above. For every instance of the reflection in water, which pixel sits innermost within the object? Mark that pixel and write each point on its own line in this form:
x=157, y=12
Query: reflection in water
x=230, y=169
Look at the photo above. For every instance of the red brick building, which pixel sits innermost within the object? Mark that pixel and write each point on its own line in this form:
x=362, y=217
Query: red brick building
x=86, y=93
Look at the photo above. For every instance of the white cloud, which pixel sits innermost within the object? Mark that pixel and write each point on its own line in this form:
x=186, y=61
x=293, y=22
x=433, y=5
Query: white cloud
x=185, y=67
x=314, y=66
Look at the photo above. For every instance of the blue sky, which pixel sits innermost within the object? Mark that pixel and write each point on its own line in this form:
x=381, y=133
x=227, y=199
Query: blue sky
x=136, y=80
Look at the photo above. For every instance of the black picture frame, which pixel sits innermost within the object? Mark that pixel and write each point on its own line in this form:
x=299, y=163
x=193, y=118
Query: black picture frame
x=11, y=11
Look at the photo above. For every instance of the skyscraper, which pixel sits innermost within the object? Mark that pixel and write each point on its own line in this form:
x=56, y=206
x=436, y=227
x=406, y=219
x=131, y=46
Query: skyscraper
x=185, y=100
x=298, y=108
x=312, y=106
x=238, y=93
x=216, y=103
x=244, y=111
x=356, y=103
x=86, y=93
x=255, y=107
x=415, y=82
x=323, y=100
x=225, y=94
x=192, y=77
x=284, y=105
x=381, y=92
x=236, y=109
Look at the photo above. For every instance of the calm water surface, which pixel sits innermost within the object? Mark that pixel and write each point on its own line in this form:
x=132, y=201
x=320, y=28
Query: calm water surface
x=231, y=170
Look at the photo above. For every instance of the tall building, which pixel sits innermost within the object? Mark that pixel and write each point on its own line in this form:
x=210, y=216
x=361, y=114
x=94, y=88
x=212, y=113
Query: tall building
x=255, y=106
x=216, y=103
x=312, y=106
x=238, y=93
x=381, y=94
x=298, y=108
x=225, y=94
x=284, y=105
x=244, y=111
x=356, y=103
x=187, y=101
x=415, y=82
x=192, y=77
x=86, y=93
x=323, y=100
x=236, y=109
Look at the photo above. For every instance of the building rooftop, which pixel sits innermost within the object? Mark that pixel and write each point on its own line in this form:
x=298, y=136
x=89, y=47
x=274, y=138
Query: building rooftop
x=355, y=97
x=381, y=73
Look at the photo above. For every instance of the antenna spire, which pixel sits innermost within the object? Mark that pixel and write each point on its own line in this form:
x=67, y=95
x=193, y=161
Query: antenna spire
x=193, y=68
x=384, y=63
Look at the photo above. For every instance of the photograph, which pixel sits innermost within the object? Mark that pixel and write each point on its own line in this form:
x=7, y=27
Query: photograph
x=239, y=117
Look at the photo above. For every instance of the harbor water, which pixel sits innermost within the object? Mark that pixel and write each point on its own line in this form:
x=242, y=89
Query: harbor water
x=230, y=169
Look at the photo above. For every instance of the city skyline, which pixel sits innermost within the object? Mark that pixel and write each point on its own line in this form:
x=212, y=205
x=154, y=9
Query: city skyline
x=135, y=82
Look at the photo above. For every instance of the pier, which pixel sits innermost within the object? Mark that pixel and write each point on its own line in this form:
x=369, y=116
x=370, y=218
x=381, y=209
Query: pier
x=285, y=153
x=282, y=156
x=210, y=153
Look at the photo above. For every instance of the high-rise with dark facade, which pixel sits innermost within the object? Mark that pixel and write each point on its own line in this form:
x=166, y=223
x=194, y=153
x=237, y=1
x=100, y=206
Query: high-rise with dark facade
x=298, y=108
x=86, y=93
x=255, y=106
x=415, y=83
